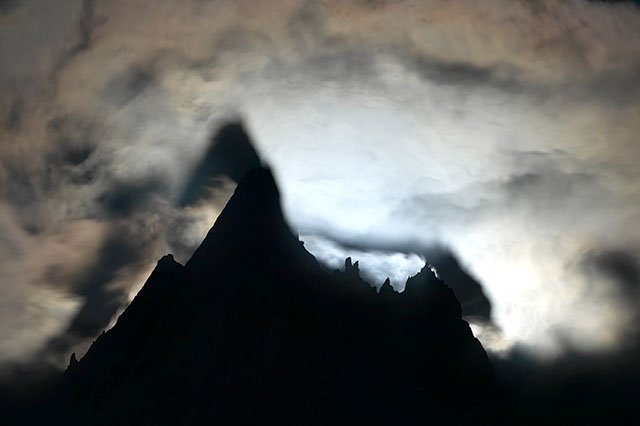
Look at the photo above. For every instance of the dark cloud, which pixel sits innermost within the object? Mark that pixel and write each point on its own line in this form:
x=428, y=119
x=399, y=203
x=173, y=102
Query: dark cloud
x=124, y=249
x=230, y=154
x=124, y=87
x=623, y=267
x=73, y=139
x=13, y=117
x=101, y=301
x=577, y=388
x=637, y=2
x=546, y=189
x=611, y=86
x=22, y=191
x=35, y=176
x=468, y=290
x=122, y=198
x=7, y=6
x=26, y=386
x=87, y=22
x=68, y=161
x=500, y=76
x=376, y=3
x=307, y=25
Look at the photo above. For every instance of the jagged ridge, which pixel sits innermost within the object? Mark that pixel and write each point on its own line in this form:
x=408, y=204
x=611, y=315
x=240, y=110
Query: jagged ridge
x=252, y=330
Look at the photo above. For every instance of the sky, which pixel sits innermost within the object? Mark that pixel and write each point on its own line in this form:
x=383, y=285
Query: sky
x=505, y=131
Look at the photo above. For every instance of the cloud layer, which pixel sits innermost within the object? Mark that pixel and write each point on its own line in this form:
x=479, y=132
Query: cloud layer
x=504, y=130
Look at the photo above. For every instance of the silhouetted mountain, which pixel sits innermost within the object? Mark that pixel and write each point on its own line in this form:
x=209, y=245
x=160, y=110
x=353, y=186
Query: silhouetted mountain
x=251, y=330
x=467, y=289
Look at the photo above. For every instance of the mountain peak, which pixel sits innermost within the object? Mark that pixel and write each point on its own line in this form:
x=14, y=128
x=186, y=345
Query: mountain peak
x=256, y=196
x=252, y=330
x=251, y=220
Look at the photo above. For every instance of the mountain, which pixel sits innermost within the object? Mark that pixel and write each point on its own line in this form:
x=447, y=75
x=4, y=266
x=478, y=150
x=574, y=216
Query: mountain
x=252, y=330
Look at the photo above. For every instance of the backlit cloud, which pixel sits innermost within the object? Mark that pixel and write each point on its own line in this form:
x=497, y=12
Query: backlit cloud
x=504, y=130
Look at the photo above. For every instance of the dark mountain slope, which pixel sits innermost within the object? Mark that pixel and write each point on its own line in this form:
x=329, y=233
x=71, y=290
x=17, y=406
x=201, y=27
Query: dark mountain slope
x=251, y=330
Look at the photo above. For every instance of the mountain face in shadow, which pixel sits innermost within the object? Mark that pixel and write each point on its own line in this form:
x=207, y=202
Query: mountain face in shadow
x=475, y=304
x=251, y=330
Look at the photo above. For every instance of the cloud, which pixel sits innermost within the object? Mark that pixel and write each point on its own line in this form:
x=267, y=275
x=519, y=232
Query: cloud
x=37, y=272
x=503, y=130
x=123, y=198
x=519, y=188
x=230, y=155
x=377, y=265
x=122, y=88
x=620, y=266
